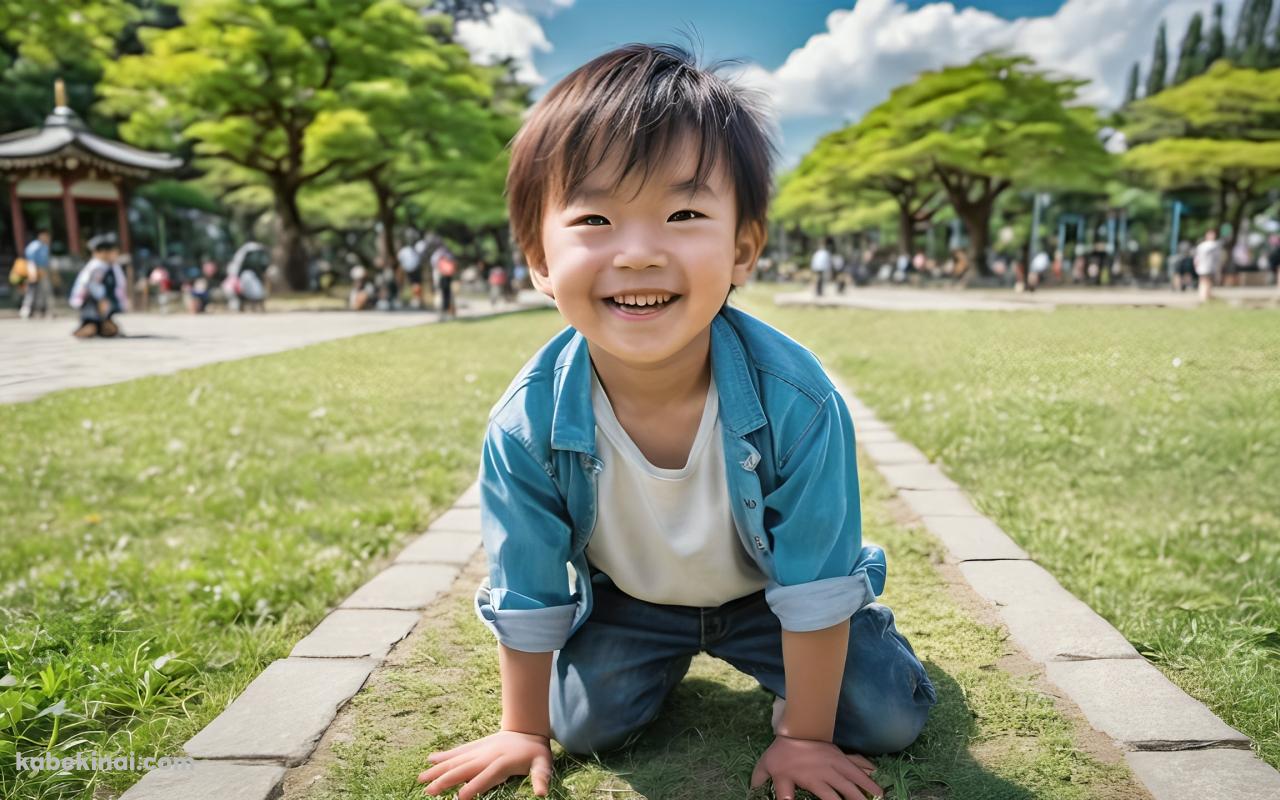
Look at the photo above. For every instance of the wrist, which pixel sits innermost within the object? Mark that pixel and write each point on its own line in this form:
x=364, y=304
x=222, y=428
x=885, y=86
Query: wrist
x=544, y=735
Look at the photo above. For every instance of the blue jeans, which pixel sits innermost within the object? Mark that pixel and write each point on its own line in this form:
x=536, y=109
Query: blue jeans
x=610, y=679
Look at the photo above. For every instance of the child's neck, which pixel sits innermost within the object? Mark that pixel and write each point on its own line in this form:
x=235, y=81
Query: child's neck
x=643, y=390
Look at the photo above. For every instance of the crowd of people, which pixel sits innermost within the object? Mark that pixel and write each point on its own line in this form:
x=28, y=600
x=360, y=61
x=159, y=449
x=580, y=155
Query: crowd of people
x=421, y=261
x=1200, y=265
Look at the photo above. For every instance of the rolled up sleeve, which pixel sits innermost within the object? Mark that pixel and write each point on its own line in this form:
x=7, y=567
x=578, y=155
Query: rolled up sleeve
x=814, y=517
x=526, y=601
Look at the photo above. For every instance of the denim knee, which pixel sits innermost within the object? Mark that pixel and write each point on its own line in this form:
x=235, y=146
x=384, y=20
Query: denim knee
x=886, y=697
x=593, y=735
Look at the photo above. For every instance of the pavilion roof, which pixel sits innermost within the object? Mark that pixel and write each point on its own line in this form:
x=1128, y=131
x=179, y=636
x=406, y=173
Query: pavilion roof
x=64, y=136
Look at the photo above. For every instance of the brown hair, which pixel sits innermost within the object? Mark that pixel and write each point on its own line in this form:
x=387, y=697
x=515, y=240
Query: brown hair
x=642, y=99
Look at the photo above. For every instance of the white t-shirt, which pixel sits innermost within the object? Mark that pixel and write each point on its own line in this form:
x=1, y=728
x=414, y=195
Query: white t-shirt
x=1206, y=257
x=410, y=259
x=667, y=535
x=821, y=261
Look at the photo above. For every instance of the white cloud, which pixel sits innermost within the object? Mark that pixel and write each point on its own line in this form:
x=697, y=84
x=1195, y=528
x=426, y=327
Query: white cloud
x=879, y=44
x=512, y=31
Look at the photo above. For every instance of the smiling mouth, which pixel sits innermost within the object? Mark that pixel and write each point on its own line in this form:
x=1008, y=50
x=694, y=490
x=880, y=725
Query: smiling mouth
x=645, y=308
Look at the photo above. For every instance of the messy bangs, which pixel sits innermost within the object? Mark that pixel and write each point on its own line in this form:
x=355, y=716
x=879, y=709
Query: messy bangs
x=640, y=102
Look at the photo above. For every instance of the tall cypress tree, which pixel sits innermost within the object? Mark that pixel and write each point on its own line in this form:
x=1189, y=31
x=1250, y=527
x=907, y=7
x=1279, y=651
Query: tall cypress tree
x=1191, y=57
x=1217, y=46
x=1159, y=64
x=1131, y=91
x=1249, y=48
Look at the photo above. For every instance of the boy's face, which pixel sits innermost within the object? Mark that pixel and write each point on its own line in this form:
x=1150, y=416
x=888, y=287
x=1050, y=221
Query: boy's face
x=636, y=242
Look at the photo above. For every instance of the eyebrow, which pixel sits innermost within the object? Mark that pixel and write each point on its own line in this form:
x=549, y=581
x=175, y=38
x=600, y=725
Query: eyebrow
x=691, y=186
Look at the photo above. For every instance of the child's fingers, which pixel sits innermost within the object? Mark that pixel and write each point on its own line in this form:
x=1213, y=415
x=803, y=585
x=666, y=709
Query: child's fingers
x=540, y=775
x=489, y=777
x=784, y=789
x=456, y=775
x=759, y=775
x=435, y=758
x=862, y=762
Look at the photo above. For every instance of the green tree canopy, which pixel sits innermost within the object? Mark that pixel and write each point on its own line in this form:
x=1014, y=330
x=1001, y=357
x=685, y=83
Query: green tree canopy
x=984, y=127
x=1219, y=131
x=278, y=94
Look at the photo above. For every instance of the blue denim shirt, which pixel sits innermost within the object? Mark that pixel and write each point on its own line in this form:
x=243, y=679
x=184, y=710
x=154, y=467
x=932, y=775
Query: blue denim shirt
x=792, y=479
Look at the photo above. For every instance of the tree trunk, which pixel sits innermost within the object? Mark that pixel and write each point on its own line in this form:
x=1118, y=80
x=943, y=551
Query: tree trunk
x=499, y=234
x=906, y=229
x=977, y=220
x=290, y=251
x=387, y=218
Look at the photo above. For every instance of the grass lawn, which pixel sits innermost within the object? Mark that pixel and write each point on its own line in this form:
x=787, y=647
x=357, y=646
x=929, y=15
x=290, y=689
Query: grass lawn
x=163, y=540
x=993, y=736
x=1135, y=453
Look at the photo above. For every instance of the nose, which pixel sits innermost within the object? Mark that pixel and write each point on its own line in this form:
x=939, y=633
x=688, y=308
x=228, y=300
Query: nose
x=640, y=250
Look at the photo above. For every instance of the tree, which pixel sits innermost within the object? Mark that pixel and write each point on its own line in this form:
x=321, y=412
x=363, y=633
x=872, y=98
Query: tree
x=1190, y=55
x=41, y=41
x=1248, y=46
x=268, y=91
x=1219, y=132
x=1159, y=64
x=1131, y=89
x=1216, y=47
x=857, y=167
x=994, y=123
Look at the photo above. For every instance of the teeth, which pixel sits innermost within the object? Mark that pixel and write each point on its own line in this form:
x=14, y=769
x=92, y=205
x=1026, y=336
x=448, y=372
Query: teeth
x=641, y=299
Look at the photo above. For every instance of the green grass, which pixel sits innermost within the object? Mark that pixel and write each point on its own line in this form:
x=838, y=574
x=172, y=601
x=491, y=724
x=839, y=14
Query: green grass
x=993, y=736
x=163, y=540
x=1135, y=453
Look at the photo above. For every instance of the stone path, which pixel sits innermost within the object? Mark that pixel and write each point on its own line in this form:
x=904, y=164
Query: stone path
x=1175, y=746
x=909, y=299
x=41, y=356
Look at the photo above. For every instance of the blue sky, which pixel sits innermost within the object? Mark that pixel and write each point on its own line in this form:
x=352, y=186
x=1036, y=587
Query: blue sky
x=823, y=63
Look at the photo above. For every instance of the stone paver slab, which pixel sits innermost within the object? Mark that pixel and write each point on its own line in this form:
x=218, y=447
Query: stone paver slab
x=866, y=424
x=470, y=498
x=403, y=586
x=939, y=502
x=916, y=476
x=1130, y=701
x=973, y=538
x=893, y=453
x=282, y=714
x=1201, y=774
x=210, y=780
x=356, y=633
x=444, y=547
x=878, y=435
x=465, y=520
x=1046, y=620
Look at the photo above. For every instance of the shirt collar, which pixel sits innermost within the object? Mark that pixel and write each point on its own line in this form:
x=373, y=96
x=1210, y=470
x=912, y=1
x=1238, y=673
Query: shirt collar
x=573, y=421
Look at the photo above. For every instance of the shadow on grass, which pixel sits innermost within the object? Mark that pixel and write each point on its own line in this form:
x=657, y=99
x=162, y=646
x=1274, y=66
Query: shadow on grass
x=708, y=737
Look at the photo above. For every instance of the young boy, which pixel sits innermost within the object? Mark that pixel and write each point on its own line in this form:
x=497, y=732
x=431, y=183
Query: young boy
x=693, y=466
x=100, y=291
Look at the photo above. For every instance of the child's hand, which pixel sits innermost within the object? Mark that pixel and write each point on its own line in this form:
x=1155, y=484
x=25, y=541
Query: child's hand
x=819, y=767
x=487, y=762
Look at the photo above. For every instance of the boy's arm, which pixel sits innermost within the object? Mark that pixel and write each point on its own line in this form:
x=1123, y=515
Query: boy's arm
x=526, y=682
x=814, y=665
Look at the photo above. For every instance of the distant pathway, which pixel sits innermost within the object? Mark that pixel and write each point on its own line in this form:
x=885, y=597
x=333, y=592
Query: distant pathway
x=41, y=356
x=910, y=299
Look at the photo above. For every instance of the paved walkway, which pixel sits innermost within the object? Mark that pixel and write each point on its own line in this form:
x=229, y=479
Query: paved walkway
x=41, y=356
x=910, y=299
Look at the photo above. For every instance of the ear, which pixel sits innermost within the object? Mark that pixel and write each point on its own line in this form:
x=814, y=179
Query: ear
x=749, y=243
x=540, y=275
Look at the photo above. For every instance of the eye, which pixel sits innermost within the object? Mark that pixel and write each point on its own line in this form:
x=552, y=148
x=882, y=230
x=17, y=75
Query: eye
x=692, y=215
x=593, y=221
